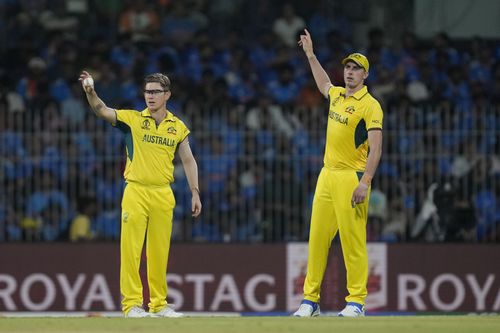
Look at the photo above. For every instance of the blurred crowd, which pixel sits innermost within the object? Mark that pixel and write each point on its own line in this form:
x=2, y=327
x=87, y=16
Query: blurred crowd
x=258, y=123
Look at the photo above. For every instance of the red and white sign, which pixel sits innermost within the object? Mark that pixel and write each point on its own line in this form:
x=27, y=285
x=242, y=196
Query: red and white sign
x=252, y=278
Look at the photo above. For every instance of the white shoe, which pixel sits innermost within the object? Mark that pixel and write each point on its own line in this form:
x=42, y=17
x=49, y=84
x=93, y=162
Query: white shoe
x=307, y=309
x=167, y=312
x=136, y=312
x=352, y=310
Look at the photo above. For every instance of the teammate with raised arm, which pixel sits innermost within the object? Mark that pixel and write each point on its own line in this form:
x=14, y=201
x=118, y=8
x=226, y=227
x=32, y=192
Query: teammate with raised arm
x=352, y=153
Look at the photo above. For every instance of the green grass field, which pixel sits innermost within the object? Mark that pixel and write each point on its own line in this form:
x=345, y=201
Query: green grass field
x=421, y=324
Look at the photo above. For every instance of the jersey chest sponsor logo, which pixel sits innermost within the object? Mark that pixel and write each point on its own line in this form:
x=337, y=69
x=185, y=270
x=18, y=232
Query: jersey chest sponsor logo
x=338, y=117
x=158, y=140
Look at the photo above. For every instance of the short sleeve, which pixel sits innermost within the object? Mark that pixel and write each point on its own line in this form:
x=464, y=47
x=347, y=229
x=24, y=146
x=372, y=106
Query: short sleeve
x=125, y=116
x=335, y=92
x=183, y=131
x=374, y=117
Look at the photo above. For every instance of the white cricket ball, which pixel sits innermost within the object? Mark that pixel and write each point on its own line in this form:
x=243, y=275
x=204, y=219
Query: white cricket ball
x=88, y=82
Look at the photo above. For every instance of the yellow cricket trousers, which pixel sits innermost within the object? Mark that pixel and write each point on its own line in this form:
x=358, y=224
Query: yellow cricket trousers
x=332, y=212
x=146, y=213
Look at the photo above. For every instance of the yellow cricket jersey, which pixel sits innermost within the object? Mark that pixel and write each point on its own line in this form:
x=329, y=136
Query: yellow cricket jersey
x=349, y=120
x=150, y=148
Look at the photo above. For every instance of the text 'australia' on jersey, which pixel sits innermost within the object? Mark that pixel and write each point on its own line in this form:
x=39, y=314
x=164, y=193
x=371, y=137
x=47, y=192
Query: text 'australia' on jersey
x=349, y=120
x=150, y=148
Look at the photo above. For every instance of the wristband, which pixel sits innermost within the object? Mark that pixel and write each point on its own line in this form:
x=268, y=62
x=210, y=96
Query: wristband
x=195, y=189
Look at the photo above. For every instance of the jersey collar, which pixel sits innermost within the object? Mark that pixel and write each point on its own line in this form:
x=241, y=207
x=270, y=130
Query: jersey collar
x=359, y=94
x=146, y=113
x=169, y=117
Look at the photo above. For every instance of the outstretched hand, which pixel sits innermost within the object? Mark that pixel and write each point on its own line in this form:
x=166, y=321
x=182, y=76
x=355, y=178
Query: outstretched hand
x=88, y=86
x=306, y=43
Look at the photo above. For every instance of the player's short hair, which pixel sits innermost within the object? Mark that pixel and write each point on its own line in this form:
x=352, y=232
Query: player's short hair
x=160, y=78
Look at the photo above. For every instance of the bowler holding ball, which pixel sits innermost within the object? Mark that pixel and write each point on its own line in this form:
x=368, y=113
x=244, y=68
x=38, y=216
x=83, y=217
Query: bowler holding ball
x=152, y=137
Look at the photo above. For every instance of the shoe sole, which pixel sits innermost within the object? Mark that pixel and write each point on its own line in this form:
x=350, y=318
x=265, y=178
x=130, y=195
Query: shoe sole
x=341, y=315
x=314, y=314
x=158, y=316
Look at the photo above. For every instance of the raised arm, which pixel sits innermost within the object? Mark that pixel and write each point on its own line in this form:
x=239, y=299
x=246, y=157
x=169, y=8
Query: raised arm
x=322, y=80
x=191, y=170
x=97, y=105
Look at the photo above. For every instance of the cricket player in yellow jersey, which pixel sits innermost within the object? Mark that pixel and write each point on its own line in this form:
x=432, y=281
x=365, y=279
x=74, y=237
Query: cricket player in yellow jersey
x=152, y=138
x=352, y=153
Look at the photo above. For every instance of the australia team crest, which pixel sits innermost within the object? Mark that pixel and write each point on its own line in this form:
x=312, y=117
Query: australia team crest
x=350, y=109
x=172, y=130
